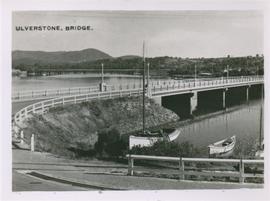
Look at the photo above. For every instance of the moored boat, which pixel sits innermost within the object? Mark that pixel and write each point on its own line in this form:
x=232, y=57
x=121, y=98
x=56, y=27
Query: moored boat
x=260, y=148
x=222, y=146
x=150, y=138
x=260, y=152
x=146, y=137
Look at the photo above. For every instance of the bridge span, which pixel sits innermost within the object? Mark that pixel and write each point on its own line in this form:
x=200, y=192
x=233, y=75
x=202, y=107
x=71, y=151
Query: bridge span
x=183, y=97
x=157, y=87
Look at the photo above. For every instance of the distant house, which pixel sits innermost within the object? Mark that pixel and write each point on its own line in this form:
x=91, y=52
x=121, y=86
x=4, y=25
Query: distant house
x=205, y=74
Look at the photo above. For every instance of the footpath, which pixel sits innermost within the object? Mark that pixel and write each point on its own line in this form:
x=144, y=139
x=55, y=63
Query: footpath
x=35, y=171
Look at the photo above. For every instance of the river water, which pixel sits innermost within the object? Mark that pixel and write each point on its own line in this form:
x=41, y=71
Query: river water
x=70, y=80
x=242, y=121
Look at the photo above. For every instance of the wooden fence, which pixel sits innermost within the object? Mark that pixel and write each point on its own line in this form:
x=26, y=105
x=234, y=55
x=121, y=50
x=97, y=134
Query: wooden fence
x=183, y=161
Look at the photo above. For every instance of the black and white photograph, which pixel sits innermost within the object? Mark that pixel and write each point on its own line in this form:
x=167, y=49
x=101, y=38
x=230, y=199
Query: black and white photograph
x=137, y=100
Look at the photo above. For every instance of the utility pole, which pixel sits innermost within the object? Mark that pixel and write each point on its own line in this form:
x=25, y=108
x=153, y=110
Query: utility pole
x=143, y=88
x=148, y=84
x=102, y=78
x=228, y=67
x=227, y=73
x=195, y=75
x=102, y=84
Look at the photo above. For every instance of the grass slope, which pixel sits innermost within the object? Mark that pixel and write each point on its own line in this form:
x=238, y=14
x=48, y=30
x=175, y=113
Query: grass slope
x=76, y=126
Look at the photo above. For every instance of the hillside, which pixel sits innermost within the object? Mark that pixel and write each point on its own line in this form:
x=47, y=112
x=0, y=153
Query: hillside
x=40, y=57
x=36, y=61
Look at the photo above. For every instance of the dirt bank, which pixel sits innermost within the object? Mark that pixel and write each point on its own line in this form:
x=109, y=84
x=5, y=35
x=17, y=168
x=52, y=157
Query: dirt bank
x=66, y=128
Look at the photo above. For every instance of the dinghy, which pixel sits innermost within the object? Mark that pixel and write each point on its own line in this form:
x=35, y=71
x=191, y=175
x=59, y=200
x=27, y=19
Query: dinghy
x=222, y=146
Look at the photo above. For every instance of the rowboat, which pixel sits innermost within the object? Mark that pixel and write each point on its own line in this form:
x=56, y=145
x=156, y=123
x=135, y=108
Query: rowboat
x=222, y=146
x=150, y=138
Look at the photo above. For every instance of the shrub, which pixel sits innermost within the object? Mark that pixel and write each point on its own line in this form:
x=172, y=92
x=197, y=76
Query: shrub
x=110, y=143
x=165, y=148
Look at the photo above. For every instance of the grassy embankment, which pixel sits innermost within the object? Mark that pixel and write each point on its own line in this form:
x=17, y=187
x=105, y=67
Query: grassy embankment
x=73, y=130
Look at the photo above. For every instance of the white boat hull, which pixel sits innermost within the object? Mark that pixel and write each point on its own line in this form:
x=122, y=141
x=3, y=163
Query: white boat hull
x=260, y=153
x=149, y=141
x=217, y=148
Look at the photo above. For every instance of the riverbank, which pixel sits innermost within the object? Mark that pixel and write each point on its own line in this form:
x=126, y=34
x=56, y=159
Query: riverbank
x=69, y=129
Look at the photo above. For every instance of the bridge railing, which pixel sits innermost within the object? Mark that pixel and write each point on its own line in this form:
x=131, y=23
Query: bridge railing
x=204, y=83
x=204, y=80
x=52, y=92
x=154, y=84
x=43, y=106
x=184, y=166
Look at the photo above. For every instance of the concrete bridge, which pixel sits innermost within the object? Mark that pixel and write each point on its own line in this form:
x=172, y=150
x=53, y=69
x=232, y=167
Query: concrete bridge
x=187, y=98
x=183, y=97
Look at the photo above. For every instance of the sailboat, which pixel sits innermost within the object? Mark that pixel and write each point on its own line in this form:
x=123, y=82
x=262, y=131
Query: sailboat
x=222, y=148
x=147, y=138
x=260, y=152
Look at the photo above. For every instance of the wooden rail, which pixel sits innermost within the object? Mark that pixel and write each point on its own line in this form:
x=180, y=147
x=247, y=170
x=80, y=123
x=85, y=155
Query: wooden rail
x=183, y=161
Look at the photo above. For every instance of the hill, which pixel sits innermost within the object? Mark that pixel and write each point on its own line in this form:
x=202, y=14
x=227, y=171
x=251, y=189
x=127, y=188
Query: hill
x=20, y=57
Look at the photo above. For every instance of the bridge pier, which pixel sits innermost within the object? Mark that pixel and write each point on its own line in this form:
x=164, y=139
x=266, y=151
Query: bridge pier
x=193, y=102
x=102, y=87
x=224, y=98
x=247, y=93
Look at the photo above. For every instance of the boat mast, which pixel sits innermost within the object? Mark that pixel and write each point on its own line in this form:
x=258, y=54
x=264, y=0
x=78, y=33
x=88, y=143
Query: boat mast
x=143, y=88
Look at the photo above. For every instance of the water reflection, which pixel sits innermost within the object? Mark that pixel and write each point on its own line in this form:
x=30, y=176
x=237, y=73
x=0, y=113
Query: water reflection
x=242, y=121
x=71, y=80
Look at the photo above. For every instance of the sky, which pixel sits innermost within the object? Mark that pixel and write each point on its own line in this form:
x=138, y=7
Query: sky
x=166, y=33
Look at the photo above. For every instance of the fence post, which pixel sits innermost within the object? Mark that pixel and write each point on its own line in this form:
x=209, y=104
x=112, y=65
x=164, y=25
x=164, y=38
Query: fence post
x=130, y=165
x=181, y=169
x=21, y=137
x=33, y=142
x=42, y=105
x=241, y=171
